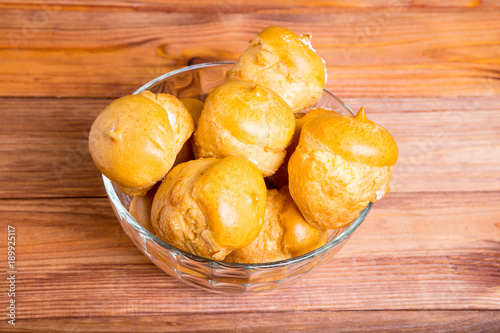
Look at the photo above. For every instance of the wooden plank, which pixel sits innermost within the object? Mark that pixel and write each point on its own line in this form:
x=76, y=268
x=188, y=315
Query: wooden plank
x=224, y=6
x=44, y=144
x=295, y=321
x=426, y=259
x=414, y=252
x=45, y=148
x=417, y=52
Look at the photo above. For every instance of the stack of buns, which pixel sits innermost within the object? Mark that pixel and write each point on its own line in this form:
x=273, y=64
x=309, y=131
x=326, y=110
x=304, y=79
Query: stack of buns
x=209, y=159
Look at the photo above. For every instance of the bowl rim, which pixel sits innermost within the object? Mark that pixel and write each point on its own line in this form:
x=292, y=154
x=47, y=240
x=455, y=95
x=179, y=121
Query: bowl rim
x=123, y=212
x=215, y=64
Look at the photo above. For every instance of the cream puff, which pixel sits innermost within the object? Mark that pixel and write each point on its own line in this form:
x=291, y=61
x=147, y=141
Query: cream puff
x=280, y=178
x=194, y=106
x=340, y=165
x=179, y=116
x=209, y=207
x=245, y=119
x=284, y=62
x=140, y=209
x=132, y=143
x=284, y=235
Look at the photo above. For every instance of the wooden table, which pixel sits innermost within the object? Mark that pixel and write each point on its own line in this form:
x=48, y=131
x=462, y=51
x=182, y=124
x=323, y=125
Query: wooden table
x=427, y=258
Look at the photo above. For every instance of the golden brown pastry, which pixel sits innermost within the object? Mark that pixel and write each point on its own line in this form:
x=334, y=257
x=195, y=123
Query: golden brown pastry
x=280, y=178
x=300, y=237
x=178, y=115
x=140, y=209
x=285, y=63
x=284, y=235
x=340, y=165
x=194, y=106
x=132, y=143
x=210, y=207
x=245, y=119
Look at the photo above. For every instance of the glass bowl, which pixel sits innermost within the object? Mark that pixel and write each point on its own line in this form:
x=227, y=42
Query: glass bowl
x=217, y=276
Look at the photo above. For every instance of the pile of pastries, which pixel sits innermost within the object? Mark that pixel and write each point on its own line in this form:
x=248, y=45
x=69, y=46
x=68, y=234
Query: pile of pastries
x=254, y=173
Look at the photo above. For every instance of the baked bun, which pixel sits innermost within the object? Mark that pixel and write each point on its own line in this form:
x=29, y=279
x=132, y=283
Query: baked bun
x=178, y=115
x=340, y=165
x=194, y=106
x=140, y=209
x=284, y=235
x=280, y=178
x=245, y=119
x=132, y=143
x=285, y=63
x=210, y=207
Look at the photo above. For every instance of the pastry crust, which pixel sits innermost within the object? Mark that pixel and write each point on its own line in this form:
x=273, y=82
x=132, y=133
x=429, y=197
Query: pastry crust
x=357, y=139
x=280, y=178
x=210, y=207
x=285, y=63
x=285, y=233
x=340, y=165
x=268, y=246
x=299, y=237
x=129, y=131
x=245, y=119
x=140, y=209
x=178, y=115
x=194, y=106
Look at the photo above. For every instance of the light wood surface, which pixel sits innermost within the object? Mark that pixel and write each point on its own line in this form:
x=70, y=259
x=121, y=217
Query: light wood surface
x=427, y=258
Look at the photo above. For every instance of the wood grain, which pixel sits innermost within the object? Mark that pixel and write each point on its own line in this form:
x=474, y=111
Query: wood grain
x=445, y=144
x=45, y=148
x=427, y=258
x=295, y=321
x=412, y=253
x=240, y=6
x=49, y=52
